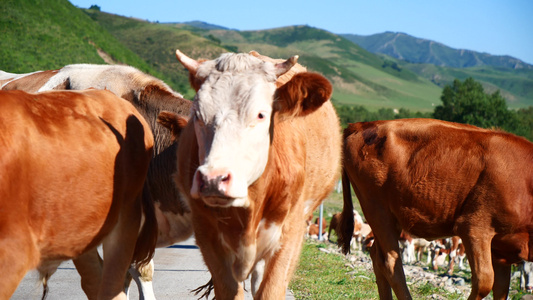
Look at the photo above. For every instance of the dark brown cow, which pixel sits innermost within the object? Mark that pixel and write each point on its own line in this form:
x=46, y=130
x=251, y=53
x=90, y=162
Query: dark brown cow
x=436, y=179
x=150, y=96
x=254, y=162
x=72, y=171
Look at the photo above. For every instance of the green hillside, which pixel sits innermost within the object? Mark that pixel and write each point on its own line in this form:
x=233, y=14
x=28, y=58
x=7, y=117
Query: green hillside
x=41, y=35
x=416, y=50
x=157, y=43
x=516, y=86
x=441, y=64
x=359, y=77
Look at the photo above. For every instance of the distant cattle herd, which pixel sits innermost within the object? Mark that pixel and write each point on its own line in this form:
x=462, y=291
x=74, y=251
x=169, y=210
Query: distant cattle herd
x=107, y=155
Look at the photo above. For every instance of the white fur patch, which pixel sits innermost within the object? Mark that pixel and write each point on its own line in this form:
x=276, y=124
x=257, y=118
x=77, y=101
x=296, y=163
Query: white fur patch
x=268, y=238
x=307, y=206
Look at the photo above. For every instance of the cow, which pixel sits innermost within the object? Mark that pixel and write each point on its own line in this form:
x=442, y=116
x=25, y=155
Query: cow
x=72, y=173
x=256, y=158
x=407, y=248
x=526, y=276
x=360, y=229
x=333, y=223
x=456, y=253
x=6, y=77
x=313, y=229
x=437, y=179
x=150, y=96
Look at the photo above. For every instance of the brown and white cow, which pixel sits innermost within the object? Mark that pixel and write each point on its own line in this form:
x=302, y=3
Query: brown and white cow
x=72, y=171
x=150, y=96
x=313, y=229
x=360, y=229
x=254, y=161
x=526, y=275
x=435, y=179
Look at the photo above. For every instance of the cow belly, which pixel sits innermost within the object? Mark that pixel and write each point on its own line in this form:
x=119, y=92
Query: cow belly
x=172, y=227
x=512, y=248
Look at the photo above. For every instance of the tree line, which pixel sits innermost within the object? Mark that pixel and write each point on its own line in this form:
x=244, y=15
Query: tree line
x=462, y=102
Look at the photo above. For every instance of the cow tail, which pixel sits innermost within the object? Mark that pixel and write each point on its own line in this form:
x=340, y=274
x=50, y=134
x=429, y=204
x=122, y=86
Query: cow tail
x=346, y=224
x=147, y=239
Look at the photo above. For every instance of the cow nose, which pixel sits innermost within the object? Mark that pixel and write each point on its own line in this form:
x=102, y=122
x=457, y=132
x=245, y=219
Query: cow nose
x=213, y=184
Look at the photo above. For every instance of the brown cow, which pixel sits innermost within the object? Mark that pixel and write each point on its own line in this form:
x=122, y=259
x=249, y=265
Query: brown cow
x=254, y=162
x=73, y=167
x=435, y=179
x=150, y=96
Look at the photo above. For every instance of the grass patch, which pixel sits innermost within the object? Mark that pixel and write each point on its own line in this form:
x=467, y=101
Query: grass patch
x=329, y=276
x=324, y=276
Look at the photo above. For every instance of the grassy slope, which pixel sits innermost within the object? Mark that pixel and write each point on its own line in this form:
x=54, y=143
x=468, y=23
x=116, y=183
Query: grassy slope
x=157, y=43
x=39, y=35
x=48, y=35
x=358, y=75
x=516, y=85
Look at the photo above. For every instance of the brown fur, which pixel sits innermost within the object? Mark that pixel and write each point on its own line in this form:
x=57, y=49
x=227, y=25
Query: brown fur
x=31, y=83
x=150, y=96
x=303, y=163
x=432, y=179
x=73, y=168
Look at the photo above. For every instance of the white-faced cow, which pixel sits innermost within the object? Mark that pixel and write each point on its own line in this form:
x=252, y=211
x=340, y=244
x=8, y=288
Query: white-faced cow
x=150, y=96
x=254, y=161
x=436, y=179
x=72, y=170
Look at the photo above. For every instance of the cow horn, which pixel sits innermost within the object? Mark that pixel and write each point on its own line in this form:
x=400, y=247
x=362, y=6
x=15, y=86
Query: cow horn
x=189, y=63
x=285, y=66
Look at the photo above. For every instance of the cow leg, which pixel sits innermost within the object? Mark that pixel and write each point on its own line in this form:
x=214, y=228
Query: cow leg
x=451, y=264
x=280, y=267
x=143, y=277
x=384, y=288
x=119, y=246
x=478, y=252
x=388, y=268
x=89, y=266
x=502, y=280
x=15, y=262
x=215, y=258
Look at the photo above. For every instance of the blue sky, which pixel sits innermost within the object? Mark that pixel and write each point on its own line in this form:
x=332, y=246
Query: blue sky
x=499, y=27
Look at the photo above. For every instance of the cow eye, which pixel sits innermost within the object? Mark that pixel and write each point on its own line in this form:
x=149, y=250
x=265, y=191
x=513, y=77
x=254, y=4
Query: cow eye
x=260, y=116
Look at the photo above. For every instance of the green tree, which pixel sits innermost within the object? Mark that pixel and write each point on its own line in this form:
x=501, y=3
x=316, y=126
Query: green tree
x=467, y=102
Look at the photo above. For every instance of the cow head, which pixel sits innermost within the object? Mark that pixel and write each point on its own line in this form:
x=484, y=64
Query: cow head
x=232, y=117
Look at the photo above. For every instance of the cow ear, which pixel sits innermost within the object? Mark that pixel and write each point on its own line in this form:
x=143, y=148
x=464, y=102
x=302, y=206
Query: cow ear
x=302, y=95
x=173, y=122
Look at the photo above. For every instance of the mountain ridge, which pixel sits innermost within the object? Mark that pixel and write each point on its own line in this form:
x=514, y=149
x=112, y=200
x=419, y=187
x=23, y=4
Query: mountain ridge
x=412, y=49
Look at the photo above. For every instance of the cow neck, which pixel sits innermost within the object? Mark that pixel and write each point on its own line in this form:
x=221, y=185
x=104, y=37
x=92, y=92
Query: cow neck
x=153, y=99
x=150, y=101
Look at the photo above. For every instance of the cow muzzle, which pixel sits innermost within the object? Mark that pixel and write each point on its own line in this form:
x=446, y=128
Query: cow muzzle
x=215, y=188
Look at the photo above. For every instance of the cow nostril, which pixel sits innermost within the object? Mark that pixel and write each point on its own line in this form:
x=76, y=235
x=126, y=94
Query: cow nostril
x=225, y=178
